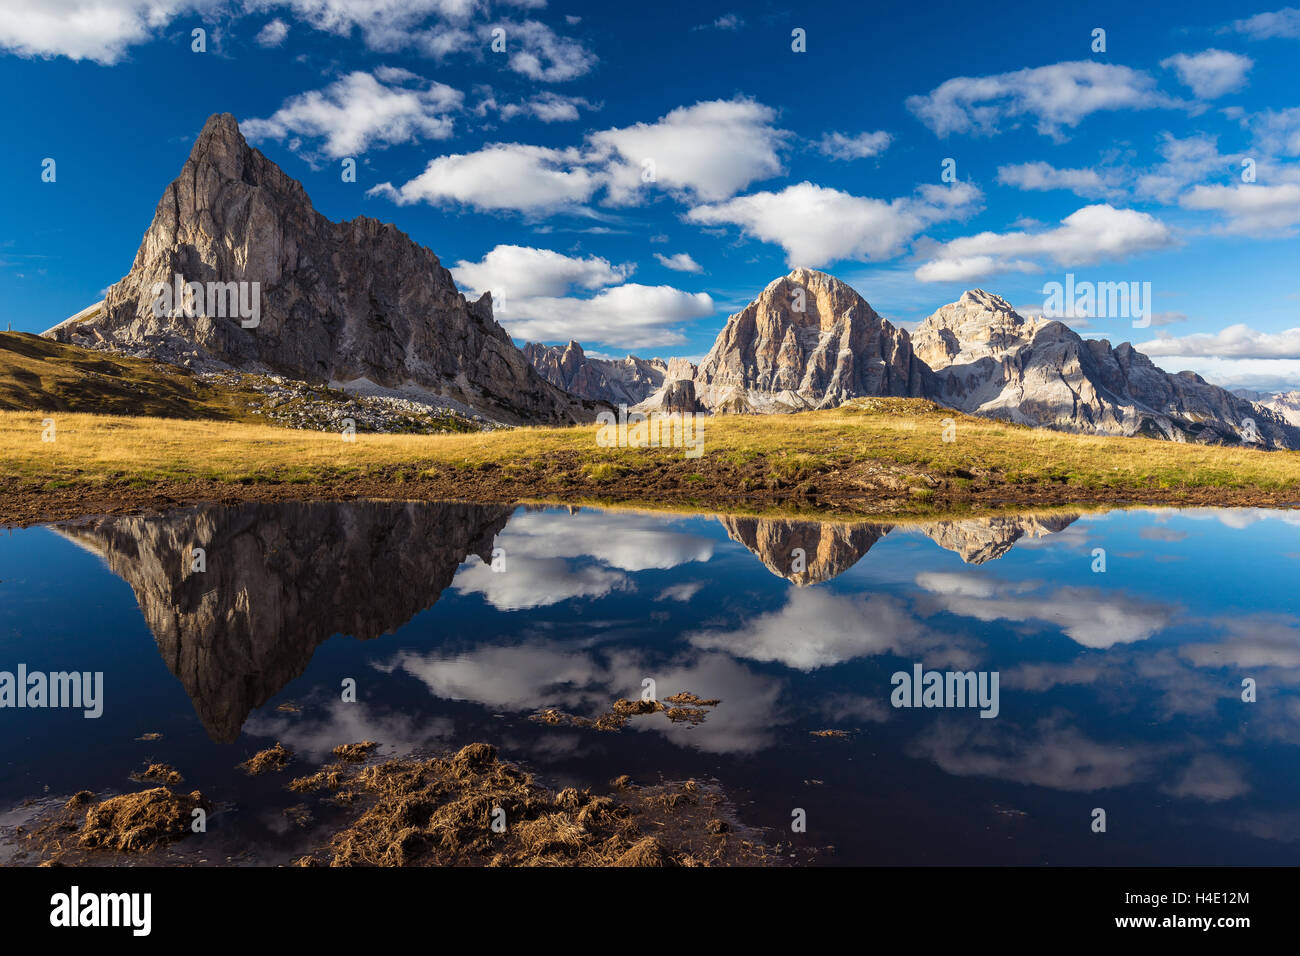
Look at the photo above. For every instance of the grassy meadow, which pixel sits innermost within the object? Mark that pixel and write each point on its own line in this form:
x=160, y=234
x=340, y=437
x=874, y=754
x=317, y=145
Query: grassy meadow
x=93, y=449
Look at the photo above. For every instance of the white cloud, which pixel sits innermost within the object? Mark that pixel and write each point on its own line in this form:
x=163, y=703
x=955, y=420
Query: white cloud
x=681, y=262
x=558, y=557
x=103, y=30
x=1210, y=778
x=710, y=150
x=439, y=28
x=1050, y=754
x=1210, y=73
x=501, y=176
x=1236, y=341
x=1086, y=236
x=548, y=107
x=1276, y=131
x=630, y=316
x=681, y=592
x=98, y=30
x=1183, y=162
x=817, y=225
x=273, y=33
x=363, y=109
x=1041, y=177
x=1088, y=616
x=705, y=151
x=379, y=17
x=818, y=628
x=1263, y=374
x=542, y=54
x=1250, y=208
x=1055, y=96
x=861, y=146
x=969, y=268
x=728, y=21
x=530, y=299
x=1257, y=640
x=523, y=272
x=1283, y=23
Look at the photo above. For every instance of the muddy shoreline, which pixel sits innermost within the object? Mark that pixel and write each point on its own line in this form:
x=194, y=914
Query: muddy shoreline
x=467, y=808
x=26, y=503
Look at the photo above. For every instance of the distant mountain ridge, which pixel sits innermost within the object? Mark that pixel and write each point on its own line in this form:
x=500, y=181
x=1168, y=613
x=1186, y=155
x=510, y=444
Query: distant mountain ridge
x=810, y=341
x=628, y=381
x=1286, y=405
x=994, y=362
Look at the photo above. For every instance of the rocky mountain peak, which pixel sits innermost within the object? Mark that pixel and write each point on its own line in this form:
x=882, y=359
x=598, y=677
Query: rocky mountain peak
x=357, y=304
x=628, y=381
x=808, y=341
x=992, y=361
x=985, y=300
x=978, y=325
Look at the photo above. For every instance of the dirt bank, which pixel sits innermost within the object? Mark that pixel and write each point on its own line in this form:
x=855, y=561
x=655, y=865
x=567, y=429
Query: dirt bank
x=858, y=491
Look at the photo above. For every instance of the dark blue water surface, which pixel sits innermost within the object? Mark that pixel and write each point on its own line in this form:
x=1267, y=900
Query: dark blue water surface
x=1119, y=690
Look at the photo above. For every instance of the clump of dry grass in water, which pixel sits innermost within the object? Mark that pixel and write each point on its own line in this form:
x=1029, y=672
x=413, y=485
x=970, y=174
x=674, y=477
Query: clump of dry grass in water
x=440, y=812
x=132, y=823
x=268, y=760
x=622, y=710
x=687, y=698
x=355, y=753
x=159, y=773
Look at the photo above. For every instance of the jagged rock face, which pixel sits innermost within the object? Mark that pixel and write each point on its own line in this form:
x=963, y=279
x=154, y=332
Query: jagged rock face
x=679, y=397
x=279, y=581
x=340, y=302
x=680, y=368
x=677, y=394
x=1285, y=405
x=827, y=549
x=992, y=361
x=985, y=539
x=773, y=357
x=627, y=382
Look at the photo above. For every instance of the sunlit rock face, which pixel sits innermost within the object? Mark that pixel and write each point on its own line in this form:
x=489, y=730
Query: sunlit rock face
x=992, y=361
x=356, y=303
x=1285, y=405
x=808, y=341
x=628, y=381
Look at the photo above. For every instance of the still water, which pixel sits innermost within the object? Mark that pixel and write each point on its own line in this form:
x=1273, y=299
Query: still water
x=1122, y=643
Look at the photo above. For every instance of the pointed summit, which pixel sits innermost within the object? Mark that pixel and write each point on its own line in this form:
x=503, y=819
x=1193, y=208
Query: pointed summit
x=985, y=300
x=978, y=324
x=357, y=304
x=808, y=341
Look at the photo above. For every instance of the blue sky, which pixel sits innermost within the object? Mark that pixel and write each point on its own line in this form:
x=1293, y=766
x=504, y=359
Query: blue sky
x=525, y=169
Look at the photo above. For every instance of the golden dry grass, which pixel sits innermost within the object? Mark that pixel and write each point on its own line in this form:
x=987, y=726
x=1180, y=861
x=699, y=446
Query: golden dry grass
x=37, y=373
x=94, y=449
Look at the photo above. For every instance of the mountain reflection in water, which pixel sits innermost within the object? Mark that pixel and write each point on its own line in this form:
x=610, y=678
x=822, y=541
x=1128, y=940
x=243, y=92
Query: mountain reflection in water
x=280, y=579
x=1120, y=689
